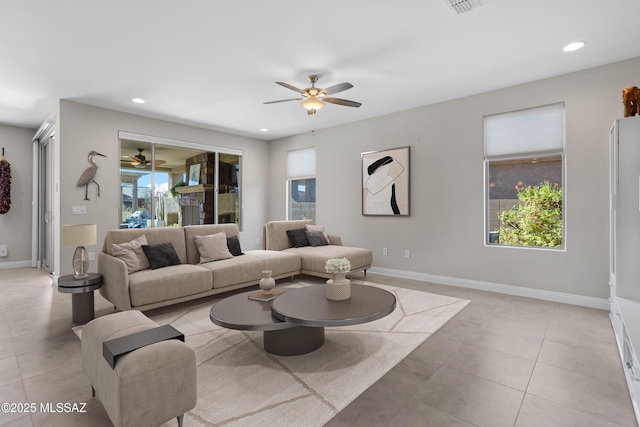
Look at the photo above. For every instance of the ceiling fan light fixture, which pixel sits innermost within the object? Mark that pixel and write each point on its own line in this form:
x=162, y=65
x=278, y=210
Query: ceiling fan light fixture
x=312, y=104
x=314, y=98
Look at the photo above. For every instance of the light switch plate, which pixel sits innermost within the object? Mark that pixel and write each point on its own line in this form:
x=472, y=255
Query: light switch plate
x=78, y=210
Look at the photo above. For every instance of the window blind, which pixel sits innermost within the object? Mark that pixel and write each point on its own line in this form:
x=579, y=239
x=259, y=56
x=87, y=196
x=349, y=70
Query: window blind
x=301, y=163
x=525, y=133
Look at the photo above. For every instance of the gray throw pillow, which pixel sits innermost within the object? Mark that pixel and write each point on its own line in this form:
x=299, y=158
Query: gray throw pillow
x=234, y=246
x=312, y=227
x=316, y=238
x=298, y=238
x=161, y=255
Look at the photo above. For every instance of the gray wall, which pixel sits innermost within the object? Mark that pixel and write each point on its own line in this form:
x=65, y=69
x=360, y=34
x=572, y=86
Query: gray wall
x=445, y=231
x=84, y=128
x=15, y=225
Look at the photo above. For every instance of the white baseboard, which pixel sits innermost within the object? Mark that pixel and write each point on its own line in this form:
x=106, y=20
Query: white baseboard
x=14, y=264
x=584, y=301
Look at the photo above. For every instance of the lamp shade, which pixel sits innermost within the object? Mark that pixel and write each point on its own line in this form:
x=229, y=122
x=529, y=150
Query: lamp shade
x=312, y=104
x=79, y=234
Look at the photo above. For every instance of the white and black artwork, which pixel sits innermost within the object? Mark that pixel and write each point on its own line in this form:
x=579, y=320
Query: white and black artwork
x=385, y=182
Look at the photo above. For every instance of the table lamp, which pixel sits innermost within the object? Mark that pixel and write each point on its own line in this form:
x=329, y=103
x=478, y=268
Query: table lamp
x=79, y=235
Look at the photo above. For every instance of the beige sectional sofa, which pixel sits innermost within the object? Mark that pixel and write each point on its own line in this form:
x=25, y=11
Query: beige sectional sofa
x=152, y=288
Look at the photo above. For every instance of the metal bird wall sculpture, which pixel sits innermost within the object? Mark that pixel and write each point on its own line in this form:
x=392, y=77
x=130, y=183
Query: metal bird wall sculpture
x=89, y=174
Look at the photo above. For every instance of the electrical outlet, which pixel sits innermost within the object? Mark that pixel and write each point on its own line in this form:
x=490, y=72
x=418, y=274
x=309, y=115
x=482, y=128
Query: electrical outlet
x=3, y=251
x=407, y=253
x=92, y=256
x=385, y=251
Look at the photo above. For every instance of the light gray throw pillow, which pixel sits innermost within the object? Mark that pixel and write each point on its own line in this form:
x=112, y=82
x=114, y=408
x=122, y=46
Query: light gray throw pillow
x=132, y=254
x=213, y=247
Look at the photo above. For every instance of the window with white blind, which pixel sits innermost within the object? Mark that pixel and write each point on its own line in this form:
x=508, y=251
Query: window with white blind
x=524, y=169
x=301, y=184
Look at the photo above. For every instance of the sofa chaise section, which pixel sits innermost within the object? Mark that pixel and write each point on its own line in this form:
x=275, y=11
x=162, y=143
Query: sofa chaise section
x=314, y=258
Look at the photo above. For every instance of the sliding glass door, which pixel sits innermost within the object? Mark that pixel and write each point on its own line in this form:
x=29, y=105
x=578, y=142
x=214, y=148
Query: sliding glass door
x=167, y=183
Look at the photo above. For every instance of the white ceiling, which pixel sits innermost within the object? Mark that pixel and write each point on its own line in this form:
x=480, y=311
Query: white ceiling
x=213, y=63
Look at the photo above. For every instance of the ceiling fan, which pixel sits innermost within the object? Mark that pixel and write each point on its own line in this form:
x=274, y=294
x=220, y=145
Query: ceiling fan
x=313, y=98
x=139, y=161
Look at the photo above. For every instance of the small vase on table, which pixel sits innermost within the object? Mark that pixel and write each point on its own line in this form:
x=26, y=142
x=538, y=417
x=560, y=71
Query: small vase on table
x=338, y=288
x=267, y=282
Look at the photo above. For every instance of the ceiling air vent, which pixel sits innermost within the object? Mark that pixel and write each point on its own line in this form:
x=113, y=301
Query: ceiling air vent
x=458, y=7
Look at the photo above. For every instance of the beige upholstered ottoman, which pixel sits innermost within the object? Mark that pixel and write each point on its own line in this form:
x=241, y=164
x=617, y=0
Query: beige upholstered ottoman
x=146, y=387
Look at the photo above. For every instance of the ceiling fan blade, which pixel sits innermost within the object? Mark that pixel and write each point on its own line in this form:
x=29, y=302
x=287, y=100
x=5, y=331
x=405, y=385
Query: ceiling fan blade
x=288, y=86
x=338, y=88
x=284, y=100
x=344, y=102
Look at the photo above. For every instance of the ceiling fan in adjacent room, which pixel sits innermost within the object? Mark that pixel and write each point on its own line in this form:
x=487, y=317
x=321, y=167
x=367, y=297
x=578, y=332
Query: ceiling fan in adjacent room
x=139, y=161
x=313, y=98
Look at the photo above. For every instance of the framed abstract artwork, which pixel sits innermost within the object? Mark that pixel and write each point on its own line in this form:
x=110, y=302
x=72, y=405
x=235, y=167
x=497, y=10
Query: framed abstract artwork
x=385, y=182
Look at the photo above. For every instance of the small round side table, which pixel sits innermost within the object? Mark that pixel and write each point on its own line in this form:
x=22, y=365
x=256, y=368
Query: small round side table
x=81, y=291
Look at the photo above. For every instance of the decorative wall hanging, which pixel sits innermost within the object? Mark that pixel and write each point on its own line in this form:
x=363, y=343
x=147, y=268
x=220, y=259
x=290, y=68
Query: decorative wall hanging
x=385, y=182
x=631, y=101
x=89, y=174
x=5, y=185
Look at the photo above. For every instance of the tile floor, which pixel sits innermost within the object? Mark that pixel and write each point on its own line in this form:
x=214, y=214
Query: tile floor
x=503, y=361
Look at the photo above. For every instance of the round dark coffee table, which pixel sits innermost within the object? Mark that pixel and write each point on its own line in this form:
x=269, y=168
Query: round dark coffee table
x=293, y=323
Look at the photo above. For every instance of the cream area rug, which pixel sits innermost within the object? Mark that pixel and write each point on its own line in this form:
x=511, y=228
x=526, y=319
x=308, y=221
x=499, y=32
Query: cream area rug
x=240, y=384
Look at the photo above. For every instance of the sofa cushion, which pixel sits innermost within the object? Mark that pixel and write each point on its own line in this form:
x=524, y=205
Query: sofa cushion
x=235, y=270
x=213, y=247
x=280, y=263
x=161, y=255
x=315, y=258
x=275, y=235
x=163, y=284
x=298, y=238
x=154, y=236
x=132, y=254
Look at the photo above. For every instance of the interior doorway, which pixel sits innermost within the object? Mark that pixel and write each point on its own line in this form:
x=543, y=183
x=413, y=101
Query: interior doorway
x=44, y=222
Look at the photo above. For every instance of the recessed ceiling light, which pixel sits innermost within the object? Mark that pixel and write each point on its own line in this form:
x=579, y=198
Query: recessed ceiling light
x=138, y=100
x=264, y=130
x=573, y=46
